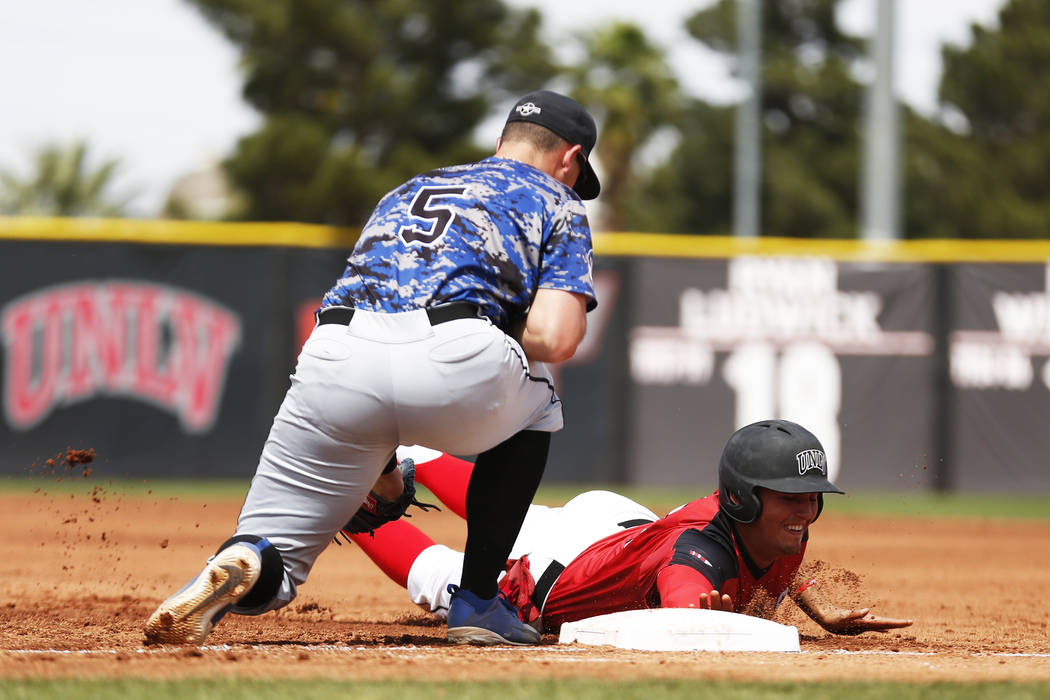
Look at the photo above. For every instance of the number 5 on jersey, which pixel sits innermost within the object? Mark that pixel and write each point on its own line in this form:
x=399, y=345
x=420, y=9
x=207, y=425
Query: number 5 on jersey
x=440, y=217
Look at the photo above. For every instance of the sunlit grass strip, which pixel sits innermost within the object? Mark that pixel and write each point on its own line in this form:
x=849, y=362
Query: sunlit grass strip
x=577, y=689
x=904, y=503
x=660, y=499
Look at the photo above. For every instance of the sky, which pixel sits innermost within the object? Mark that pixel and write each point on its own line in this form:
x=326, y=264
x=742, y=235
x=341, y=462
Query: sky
x=152, y=84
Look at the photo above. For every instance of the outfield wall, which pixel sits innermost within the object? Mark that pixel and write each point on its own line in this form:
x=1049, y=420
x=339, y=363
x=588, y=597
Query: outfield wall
x=167, y=346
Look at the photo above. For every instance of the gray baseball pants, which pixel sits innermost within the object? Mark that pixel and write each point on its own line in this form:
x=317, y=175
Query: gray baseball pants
x=362, y=389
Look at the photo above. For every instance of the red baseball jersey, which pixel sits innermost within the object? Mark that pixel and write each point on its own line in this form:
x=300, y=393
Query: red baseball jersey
x=668, y=564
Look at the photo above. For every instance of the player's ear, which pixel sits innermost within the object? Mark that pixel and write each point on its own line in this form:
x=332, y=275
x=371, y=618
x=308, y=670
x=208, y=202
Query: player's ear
x=568, y=158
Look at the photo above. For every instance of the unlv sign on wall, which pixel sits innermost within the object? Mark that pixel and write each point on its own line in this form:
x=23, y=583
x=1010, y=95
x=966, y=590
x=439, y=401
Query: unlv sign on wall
x=86, y=340
x=168, y=359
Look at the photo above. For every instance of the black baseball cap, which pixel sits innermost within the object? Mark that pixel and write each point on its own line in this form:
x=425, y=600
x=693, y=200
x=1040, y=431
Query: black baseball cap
x=568, y=119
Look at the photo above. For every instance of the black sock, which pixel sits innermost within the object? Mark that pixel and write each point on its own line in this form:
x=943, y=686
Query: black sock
x=501, y=489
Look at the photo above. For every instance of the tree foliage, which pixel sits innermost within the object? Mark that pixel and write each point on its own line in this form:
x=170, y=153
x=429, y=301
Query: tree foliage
x=692, y=191
x=360, y=95
x=62, y=183
x=990, y=177
x=627, y=83
x=979, y=169
x=810, y=106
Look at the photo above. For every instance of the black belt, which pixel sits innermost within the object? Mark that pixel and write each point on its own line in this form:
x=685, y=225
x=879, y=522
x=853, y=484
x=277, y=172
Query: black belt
x=545, y=583
x=436, y=314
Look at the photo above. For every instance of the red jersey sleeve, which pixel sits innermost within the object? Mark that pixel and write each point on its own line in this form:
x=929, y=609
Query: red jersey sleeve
x=701, y=562
x=681, y=586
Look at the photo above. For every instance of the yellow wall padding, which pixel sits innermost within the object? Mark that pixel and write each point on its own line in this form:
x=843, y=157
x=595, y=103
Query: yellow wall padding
x=158, y=231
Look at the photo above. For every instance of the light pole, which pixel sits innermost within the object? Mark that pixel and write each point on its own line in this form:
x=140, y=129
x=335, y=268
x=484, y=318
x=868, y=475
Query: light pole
x=748, y=151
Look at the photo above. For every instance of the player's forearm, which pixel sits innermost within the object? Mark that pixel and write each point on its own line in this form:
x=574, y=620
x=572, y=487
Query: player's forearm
x=555, y=326
x=550, y=347
x=685, y=587
x=809, y=599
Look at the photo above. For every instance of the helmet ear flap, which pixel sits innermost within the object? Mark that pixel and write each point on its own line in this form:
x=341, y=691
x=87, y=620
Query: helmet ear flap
x=742, y=505
x=820, y=507
x=751, y=506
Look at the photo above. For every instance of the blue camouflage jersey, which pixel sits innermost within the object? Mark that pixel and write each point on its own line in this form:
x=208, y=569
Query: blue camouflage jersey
x=491, y=233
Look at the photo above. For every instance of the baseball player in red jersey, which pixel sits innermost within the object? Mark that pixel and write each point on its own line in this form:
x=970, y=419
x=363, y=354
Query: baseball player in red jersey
x=738, y=549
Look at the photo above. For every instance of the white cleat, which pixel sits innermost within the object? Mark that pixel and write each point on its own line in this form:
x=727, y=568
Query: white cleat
x=188, y=616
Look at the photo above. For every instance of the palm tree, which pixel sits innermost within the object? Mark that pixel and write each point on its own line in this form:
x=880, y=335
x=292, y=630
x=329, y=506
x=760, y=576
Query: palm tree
x=62, y=185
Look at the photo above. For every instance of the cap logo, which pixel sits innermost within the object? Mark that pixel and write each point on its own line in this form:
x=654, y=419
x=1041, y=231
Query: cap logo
x=811, y=459
x=527, y=108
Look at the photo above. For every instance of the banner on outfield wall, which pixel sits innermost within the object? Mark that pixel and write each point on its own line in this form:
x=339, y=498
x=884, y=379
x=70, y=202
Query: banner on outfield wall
x=1000, y=377
x=850, y=350
x=171, y=358
x=842, y=349
x=167, y=360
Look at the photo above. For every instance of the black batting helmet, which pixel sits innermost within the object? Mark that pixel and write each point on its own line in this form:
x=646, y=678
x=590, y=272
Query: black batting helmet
x=776, y=454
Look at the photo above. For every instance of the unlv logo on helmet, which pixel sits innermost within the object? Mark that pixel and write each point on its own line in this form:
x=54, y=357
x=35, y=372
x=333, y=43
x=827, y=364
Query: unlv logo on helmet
x=811, y=459
x=156, y=343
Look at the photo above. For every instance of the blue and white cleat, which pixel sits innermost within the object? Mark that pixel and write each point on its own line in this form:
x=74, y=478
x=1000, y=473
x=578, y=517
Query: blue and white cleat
x=474, y=620
x=188, y=616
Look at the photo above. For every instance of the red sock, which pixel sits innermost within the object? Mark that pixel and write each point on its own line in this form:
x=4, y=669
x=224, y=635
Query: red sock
x=393, y=548
x=447, y=478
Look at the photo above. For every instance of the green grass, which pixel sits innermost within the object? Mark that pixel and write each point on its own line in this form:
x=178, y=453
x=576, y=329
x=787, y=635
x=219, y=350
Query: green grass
x=132, y=488
x=969, y=505
x=230, y=689
x=904, y=503
x=981, y=505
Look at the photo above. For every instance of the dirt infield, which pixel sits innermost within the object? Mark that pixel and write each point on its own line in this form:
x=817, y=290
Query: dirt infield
x=80, y=572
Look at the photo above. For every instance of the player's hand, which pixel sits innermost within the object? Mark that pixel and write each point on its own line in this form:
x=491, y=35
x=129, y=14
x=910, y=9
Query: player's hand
x=852, y=622
x=716, y=601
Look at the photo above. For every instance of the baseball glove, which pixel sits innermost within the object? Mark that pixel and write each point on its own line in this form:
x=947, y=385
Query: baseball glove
x=377, y=511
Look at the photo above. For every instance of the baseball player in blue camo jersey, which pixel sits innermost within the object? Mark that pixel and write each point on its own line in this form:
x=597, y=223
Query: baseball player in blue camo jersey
x=465, y=281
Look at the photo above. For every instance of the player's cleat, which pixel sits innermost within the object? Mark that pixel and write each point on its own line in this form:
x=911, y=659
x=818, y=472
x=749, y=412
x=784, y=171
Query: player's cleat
x=474, y=620
x=188, y=616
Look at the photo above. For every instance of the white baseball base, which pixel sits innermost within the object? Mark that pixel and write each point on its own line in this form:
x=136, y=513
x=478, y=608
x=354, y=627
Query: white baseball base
x=681, y=629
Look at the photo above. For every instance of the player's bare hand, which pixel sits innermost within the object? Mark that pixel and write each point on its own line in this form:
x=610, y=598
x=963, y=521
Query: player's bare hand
x=858, y=621
x=716, y=601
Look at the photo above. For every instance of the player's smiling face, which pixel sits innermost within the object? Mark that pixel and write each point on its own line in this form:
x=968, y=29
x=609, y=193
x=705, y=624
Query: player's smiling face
x=781, y=526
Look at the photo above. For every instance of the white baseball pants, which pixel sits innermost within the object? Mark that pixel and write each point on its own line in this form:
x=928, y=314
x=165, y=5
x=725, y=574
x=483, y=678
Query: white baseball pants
x=547, y=535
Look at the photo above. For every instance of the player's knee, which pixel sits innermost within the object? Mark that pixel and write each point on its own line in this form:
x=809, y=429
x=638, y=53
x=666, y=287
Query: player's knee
x=259, y=598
